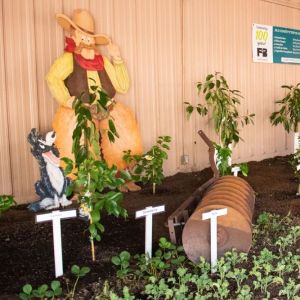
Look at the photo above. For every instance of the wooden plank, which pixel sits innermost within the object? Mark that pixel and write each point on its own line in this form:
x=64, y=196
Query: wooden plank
x=49, y=42
x=5, y=169
x=20, y=69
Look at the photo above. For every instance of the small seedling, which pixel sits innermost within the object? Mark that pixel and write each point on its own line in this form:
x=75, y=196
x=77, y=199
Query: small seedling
x=42, y=292
x=6, y=202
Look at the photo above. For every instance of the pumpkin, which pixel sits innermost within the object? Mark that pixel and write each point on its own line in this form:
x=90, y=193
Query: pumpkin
x=129, y=136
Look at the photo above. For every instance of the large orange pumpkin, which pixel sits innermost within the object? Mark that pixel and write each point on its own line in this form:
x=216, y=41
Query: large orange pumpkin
x=129, y=136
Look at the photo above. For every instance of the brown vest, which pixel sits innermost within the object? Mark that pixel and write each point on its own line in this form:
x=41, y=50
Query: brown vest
x=77, y=83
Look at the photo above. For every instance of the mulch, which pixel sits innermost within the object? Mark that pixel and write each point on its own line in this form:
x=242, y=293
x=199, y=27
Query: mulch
x=26, y=248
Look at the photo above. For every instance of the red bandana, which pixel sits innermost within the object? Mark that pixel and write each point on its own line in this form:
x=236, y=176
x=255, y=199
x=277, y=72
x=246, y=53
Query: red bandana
x=95, y=64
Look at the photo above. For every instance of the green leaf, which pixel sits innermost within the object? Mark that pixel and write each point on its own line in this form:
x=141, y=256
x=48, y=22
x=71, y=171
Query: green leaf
x=125, y=255
x=100, y=227
x=49, y=294
x=207, y=96
x=189, y=109
x=112, y=127
x=93, y=230
x=84, y=271
x=43, y=288
x=55, y=284
x=209, y=77
x=75, y=269
x=23, y=296
x=116, y=260
x=111, y=137
x=125, y=175
x=27, y=289
x=95, y=214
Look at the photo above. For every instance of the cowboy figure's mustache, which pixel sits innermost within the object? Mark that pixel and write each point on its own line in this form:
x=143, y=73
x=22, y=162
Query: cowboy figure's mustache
x=82, y=46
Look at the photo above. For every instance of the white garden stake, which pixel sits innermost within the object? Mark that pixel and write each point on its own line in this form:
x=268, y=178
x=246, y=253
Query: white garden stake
x=55, y=216
x=148, y=213
x=235, y=170
x=212, y=215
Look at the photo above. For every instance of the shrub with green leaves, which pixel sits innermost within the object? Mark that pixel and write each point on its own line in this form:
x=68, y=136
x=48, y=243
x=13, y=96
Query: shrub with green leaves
x=223, y=103
x=288, y=115
x=6, y=202
x=96, y=184
x=149, y=167
x=289, y=109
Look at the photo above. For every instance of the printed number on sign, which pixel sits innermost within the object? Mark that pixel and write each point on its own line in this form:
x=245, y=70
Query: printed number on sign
x=261, y=35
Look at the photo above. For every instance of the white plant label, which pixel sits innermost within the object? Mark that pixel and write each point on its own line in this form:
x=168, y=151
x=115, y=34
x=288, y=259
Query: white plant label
x=148, y=213
x=235, y=170
x=55, y=216
x=213, y=215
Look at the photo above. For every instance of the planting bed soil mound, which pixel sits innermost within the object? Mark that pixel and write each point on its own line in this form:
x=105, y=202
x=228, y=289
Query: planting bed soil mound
x=26, y=248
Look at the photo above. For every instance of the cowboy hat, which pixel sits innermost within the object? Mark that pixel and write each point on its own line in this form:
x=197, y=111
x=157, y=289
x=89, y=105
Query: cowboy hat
x=82, y=21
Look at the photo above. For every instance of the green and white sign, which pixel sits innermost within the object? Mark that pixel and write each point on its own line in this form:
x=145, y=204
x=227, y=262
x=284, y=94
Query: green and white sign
x=272, y=44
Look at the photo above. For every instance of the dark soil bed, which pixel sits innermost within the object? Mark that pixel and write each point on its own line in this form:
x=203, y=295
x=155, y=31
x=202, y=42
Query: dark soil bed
x=26, y=250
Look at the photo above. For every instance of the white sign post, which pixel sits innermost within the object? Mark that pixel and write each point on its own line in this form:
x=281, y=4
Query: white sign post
x=212, y=215
x=148, y=212
x=55, y=216
x=235, y=170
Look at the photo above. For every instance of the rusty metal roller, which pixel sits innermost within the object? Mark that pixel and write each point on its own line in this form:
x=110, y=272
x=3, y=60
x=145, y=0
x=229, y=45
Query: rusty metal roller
x=234, y=229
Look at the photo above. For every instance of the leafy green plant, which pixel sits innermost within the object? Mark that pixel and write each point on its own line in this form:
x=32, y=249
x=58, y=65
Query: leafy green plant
x=42, y=292
x=55, y=291
x=149, y=167
x=224, y=104
x=260, y=274
x=239, y=275
x=95, y=183
x=245, y=293
x=6, y=202
x=79, y=273
x=221, y=289
x=289, y=116
x=108, y=294
x=289, y=112
x=85, y=135
x=223, y=155
x=122, y=261
x=290, y=290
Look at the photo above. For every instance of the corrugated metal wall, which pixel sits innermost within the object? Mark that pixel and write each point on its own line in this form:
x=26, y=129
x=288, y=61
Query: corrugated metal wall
x=168, y=46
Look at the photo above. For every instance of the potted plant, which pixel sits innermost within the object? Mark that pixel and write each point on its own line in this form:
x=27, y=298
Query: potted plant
x=223, y=103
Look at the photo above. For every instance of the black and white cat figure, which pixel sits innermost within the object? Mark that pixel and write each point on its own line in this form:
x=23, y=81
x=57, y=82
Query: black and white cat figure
x=53, y=183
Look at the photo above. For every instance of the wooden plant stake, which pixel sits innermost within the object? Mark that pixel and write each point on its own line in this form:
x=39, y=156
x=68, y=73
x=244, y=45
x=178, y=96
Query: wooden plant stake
x=148, y=212
x=55, y=216
x=212, y=215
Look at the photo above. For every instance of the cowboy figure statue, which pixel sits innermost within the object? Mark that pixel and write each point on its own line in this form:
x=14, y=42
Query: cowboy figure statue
x=72, y=74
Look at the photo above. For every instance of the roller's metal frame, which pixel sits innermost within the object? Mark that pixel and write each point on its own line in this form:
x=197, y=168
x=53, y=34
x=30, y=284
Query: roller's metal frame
x=180, y=216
